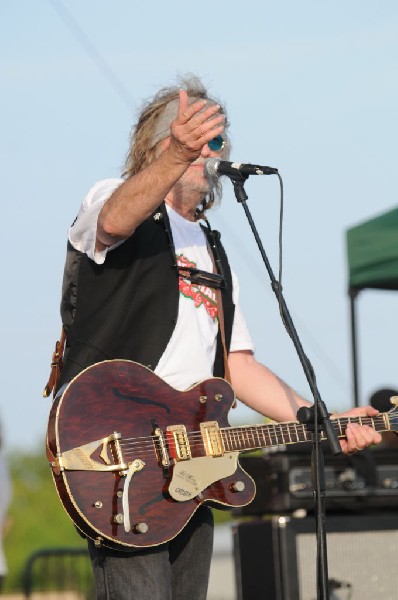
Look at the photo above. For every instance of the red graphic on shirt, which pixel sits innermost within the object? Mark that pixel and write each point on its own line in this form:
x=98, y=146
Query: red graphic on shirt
x=201, y=295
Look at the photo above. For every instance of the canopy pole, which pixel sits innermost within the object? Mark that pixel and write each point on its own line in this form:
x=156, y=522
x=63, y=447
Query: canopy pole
x=354, y=347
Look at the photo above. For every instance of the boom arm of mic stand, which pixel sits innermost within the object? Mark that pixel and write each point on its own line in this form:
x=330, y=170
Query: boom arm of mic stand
x=320, y=414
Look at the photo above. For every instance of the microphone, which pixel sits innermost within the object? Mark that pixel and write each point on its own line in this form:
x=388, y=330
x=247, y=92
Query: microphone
x=215, y=167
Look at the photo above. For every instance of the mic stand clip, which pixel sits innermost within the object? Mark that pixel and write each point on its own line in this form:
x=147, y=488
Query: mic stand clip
x=238, y=181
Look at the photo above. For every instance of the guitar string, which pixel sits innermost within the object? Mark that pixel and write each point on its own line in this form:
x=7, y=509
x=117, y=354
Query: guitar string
x=245, y=431
x=270, y=430
x=273, y=435
x=239, y=432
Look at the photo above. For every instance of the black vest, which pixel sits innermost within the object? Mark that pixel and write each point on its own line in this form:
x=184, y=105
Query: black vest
x=127, y=307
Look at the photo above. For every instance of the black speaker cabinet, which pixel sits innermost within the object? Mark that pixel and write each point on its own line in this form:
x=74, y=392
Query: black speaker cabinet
x=275, y=559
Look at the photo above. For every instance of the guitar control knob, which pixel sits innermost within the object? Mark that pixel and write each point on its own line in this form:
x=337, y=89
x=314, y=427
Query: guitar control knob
x=238, y=486
x=119, y=518
x=141, y=528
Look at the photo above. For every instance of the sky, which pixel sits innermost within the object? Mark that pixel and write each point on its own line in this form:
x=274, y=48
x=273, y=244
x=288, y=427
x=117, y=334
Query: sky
x=311, y=88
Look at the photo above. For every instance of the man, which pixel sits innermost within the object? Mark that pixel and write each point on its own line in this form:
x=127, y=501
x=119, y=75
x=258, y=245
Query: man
x=144, y=281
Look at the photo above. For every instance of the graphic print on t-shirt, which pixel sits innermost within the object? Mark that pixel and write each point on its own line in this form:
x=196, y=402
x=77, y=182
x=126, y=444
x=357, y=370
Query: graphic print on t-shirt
x=201, y=295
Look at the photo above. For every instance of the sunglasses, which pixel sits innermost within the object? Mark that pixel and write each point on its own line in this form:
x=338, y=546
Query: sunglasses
x=217, y=143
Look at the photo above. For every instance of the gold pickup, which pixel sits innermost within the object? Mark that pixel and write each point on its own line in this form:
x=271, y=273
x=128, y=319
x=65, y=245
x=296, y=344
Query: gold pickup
x=180, y=441
x=212, y=438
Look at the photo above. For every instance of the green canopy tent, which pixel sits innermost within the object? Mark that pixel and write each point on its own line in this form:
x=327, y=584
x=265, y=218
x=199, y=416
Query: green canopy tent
x=372, y=252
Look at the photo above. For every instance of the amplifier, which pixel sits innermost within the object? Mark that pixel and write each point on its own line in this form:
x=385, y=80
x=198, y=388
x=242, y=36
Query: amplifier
x=276, y=557
x=362, y=481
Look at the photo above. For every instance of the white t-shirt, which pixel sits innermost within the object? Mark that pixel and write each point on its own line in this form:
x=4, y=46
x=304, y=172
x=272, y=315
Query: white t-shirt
x=190, y=353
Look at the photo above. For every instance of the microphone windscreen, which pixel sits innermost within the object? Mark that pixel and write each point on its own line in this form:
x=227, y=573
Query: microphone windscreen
x=211, y=167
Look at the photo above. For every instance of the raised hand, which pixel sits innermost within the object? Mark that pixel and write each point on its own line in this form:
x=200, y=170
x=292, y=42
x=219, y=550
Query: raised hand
x=195, y=125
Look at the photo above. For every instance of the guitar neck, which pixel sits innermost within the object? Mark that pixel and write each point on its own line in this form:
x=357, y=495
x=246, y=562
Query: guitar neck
x=253, y=437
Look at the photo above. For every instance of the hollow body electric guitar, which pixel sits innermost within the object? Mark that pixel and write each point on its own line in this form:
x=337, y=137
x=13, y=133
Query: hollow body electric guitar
x=132, y=458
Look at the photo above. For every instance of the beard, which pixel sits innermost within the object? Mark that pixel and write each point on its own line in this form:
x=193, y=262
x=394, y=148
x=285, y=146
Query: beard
x=193, y=182
x=193, y=191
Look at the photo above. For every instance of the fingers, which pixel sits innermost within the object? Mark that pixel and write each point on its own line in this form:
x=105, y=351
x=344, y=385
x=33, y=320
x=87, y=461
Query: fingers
x=195, y=125
x=370, y=411
x=189, y=113
x=358, y=411
x=185, y=110
x=359, y=437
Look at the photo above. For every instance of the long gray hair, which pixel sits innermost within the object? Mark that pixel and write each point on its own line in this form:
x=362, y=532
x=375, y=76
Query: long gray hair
x=145, y=132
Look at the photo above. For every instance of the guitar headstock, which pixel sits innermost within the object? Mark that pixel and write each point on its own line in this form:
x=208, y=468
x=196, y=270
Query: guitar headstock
x=393, y=413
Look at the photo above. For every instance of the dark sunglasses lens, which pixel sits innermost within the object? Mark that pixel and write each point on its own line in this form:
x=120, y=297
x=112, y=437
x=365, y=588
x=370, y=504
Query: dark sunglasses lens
x=216, y=143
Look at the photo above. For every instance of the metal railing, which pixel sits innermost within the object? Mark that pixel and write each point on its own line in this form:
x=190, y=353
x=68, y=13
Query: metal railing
x=59, y=574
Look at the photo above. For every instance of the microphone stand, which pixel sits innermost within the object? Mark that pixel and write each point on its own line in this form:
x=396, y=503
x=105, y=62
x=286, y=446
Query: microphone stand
x=316, y=417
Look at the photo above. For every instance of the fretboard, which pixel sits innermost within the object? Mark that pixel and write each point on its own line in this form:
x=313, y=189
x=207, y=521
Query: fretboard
x=252, y=437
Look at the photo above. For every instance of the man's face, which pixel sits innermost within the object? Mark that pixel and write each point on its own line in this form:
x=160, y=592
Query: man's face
x=194, y=178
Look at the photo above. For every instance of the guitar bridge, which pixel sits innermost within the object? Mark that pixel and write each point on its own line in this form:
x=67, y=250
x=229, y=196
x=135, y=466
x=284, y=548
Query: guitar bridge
x=212, y=440
x=161, y=446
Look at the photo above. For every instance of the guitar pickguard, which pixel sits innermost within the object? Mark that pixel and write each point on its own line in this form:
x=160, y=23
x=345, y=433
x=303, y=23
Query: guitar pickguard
x=191, y=477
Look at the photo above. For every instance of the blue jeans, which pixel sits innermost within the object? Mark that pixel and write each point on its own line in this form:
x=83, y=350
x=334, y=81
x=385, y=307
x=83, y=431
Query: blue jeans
x=176, y=570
